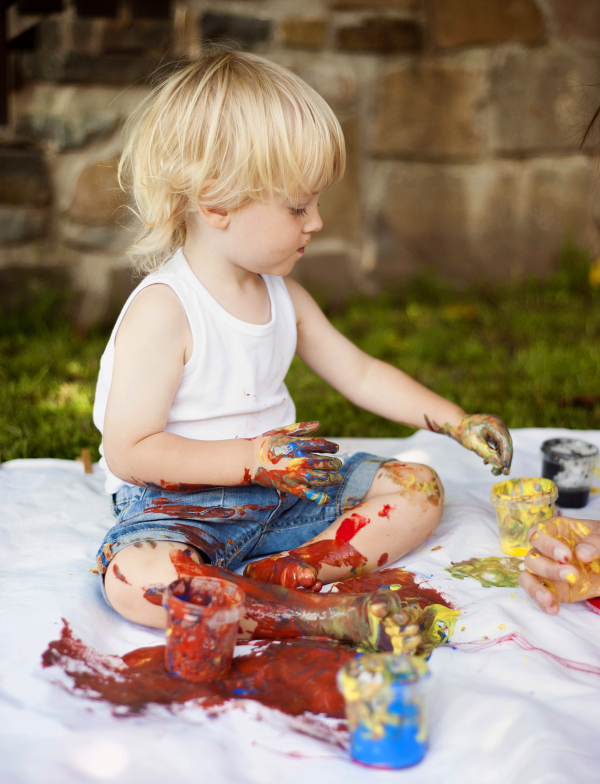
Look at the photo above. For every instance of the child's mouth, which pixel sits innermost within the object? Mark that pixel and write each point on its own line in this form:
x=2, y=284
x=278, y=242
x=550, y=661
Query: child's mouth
x=300, y=250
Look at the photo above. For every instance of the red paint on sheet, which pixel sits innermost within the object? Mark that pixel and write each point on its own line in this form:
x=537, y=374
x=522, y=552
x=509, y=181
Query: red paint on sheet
x=294, y=677
x=350, y=526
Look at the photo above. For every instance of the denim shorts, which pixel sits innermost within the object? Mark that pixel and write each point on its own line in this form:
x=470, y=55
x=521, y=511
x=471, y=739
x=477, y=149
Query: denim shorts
x=231, y=524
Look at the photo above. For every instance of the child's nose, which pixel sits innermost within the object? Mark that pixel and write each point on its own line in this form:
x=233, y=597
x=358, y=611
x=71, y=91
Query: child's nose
x=313, y=222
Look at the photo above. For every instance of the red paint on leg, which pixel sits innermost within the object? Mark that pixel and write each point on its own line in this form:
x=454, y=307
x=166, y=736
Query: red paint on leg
x=119, y=575
x=385, y=512
x=382, y=560
x=154, y=594
x=350, y=526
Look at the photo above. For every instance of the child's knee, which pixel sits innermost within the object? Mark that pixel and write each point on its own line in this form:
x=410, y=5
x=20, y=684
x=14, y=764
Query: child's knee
x=411, y=481
x=136, y=578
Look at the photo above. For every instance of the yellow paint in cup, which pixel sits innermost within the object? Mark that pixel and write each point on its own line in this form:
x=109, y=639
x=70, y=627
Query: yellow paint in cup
x=520, y=503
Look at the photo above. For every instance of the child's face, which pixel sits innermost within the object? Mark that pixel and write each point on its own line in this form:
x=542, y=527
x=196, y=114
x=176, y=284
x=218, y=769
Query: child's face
x=270, y=238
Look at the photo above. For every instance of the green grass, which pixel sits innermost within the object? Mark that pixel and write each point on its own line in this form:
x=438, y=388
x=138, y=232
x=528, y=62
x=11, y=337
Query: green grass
x=529, y=352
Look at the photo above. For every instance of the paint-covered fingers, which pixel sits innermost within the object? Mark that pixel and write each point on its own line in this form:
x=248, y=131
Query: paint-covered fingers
x=549, y=569
x=543, y=538
x=285, y=570
x=296, y=429
x=323, y=463
x=543, y=597
x=488, y=436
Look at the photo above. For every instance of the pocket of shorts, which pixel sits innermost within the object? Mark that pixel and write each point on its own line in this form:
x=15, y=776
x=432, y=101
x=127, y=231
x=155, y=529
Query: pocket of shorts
x=132, y=497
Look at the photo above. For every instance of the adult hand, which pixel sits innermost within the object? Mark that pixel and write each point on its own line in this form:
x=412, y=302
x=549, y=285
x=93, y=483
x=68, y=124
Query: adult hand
x=484, y=434
x=287, y=460
x=564, y=564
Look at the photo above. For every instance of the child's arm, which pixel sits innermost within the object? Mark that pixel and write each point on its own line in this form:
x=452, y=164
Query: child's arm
x=385, y=390
x=152, y=345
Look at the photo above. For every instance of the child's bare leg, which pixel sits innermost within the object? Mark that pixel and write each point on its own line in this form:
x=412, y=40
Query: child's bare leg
x=376, y=619
x=400, y=510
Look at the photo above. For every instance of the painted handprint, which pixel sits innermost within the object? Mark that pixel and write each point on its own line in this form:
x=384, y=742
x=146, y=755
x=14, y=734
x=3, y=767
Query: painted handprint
x=286, y=459
x=484, y=434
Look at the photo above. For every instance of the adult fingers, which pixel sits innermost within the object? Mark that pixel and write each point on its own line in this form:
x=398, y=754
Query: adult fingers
x=589, y=548
x=541, y=566
x=542, y=596
x=546, y=544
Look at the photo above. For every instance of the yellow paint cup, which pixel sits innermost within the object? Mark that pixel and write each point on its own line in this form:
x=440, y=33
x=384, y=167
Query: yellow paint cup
x=520, y=503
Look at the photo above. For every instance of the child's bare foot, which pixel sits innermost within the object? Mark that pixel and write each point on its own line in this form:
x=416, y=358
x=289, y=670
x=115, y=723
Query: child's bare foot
x=287, y=570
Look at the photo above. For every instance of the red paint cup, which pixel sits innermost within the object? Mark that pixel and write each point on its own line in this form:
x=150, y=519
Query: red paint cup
x=203, y=615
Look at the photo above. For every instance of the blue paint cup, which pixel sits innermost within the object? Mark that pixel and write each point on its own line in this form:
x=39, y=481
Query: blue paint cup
x=385, y=708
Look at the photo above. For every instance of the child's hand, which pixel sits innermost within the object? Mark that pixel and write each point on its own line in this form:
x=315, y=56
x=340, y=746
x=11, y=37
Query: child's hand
x=280, y=461
x=484, y=434
x=564, y=564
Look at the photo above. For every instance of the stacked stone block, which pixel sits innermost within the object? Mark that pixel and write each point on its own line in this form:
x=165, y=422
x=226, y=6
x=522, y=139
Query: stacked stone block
x=463, y=120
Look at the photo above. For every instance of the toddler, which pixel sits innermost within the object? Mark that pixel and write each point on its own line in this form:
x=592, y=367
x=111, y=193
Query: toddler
x=203, y=460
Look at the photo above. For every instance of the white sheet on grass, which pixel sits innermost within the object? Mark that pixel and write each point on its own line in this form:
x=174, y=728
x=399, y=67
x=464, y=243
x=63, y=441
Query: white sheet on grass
x=502, y=714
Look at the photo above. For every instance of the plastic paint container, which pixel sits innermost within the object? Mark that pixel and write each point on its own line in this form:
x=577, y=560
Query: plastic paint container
x=202, y=626
x=519, y=504
x=385, y=708
x=570, y=464
x=594, y=605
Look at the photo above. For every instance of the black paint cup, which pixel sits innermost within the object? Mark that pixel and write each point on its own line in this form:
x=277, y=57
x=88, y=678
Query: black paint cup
x=570, y=464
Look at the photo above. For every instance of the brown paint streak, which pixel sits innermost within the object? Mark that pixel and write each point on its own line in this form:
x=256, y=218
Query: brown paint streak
x=383, y=559
x=119, y=575
x=171, y=508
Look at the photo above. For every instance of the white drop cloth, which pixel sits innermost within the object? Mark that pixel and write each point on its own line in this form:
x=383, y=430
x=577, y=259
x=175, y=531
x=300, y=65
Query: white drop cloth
x=499, y=715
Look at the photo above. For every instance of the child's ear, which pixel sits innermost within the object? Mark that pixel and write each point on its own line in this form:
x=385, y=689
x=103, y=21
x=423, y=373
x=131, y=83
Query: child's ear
x=218, y=219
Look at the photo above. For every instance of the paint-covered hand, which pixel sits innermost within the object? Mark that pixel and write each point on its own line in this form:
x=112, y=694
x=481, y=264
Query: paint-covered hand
x=564, y=563
x=288, y=459
x=484, y=434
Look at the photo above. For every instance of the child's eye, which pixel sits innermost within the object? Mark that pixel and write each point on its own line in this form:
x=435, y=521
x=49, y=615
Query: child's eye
x=297, y=211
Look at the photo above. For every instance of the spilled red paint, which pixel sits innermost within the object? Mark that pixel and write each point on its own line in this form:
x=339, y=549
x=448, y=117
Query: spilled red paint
x=119, y=575
x=291, y=570
x=383, y=558
x=350, y=526
x=385, y=512
x=409, y=590
x=247, y=475
x=294, y=676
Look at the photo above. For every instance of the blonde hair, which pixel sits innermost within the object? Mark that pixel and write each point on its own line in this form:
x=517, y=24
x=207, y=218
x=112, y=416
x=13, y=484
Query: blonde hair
x=228, y=129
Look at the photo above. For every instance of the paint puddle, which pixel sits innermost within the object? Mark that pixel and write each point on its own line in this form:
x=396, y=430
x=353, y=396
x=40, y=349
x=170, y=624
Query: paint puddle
x=296, y=677
x=492, y=572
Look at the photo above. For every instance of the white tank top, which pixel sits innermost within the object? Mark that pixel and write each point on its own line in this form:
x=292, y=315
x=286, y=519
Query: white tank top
x=233, y=383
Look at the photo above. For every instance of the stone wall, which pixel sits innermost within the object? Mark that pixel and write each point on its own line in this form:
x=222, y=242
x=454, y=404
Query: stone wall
x=463, y=120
